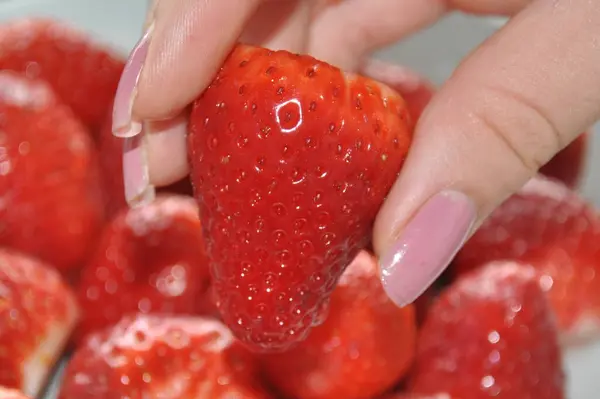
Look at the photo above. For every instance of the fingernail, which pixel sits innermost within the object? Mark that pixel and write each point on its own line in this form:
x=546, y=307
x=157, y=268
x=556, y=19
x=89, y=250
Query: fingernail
x=123, y=124
x=426, y=246
x=136, y=177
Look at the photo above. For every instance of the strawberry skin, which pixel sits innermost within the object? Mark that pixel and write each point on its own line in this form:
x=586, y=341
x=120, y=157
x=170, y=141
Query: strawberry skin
x=550, y=227
x=150, y=259
x=84, y=74
x=419, y=396
x=51, y=202
x=491, y=335
x=291, y=160
x=364, y=347
x=38, y=311
x=162, y=357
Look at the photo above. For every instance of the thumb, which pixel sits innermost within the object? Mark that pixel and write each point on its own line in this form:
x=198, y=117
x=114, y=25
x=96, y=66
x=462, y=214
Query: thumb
x=518, y=100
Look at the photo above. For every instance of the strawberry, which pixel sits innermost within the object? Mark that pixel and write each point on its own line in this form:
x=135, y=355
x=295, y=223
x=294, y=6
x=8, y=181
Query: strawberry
x=363, y=348
x=291, y=160
x=162, y=357
x=37, y=314
x=552, y=228
x=111, y=164
x=569, y=164
x=490, y=335
x=150, y=259
x=418, y=396
x=84, y=74
x=6, y=393
x=50, y=198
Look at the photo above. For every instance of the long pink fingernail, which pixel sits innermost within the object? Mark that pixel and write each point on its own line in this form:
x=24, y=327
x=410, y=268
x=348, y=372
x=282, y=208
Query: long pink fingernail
x=426, y=246
x=136, y=176
x=123, y=124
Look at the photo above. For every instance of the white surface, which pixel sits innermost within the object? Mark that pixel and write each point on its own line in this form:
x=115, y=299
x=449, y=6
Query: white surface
x=434, y=52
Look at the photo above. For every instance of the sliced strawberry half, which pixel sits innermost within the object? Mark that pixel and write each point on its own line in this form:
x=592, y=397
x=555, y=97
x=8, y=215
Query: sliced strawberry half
x=491, y=334
x=85, y=74
x=291, y=160
x=162, y=357
x=150, y=259
x=38, y=311
x=364, y=347
x=50, y=199
x=553, y=229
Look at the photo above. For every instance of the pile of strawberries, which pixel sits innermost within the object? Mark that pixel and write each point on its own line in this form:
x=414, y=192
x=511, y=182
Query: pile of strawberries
x=252, y=279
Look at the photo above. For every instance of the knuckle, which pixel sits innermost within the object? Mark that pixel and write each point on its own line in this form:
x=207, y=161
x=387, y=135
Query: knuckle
x=524, y=128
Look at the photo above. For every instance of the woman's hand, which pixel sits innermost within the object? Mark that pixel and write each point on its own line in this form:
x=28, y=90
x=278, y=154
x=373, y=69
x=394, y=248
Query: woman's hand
x=509, y=107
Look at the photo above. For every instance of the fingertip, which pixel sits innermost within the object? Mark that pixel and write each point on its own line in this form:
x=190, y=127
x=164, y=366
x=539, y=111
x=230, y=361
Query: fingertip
x=167, y=151
x=424, y=247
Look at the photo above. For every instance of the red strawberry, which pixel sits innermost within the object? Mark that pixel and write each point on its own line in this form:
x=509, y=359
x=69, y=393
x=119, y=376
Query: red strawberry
x=363, y=348
x=415, y=89
x=162, y=357
x=291, y=160
x=150, y=259
x=50, y=198
x=418, y=396
x=6, y=393
x=37, y=314
x=111, y=163
x=569, y=164
x=491, y=335
x=84, y=74
x=552, y=228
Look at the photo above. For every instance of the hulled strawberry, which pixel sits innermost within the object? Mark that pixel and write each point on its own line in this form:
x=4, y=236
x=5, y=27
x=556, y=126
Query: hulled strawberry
x=364, y=347
x=37, y=314
x=83, y=73
x=291, y=160
x=150, y=259
x=491, y=335
x=51, y=202
x=162, y=357
x=552, y=228
x=6, y=393
x=569, y=164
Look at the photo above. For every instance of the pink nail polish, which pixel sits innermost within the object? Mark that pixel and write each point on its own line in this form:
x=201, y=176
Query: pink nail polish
x=426, y=246
x=138, y=190
x=123, y=125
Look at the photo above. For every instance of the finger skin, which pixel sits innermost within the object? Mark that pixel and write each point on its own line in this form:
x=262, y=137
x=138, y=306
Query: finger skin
x=519, y=99
x=190, y=40
x=347, y=31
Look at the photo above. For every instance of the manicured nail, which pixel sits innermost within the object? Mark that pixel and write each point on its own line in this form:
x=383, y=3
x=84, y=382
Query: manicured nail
x=138, y=190
x=123, y=124
x=426, y=246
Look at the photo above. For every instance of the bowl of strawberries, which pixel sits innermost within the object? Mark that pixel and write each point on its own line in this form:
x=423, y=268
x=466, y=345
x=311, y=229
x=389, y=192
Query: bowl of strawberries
x=249, y=280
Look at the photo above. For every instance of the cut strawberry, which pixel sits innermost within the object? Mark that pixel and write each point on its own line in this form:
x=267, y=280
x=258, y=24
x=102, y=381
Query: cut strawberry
x=6, y=393
x=491, y=335
x=363, y=348
x=50, y=198
x=111, y=163
x=37, y=314
x=291, y=160
x=162, y=357
x=150, y=259
x=569, y=164
x=84, y=74
x=552, y=228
